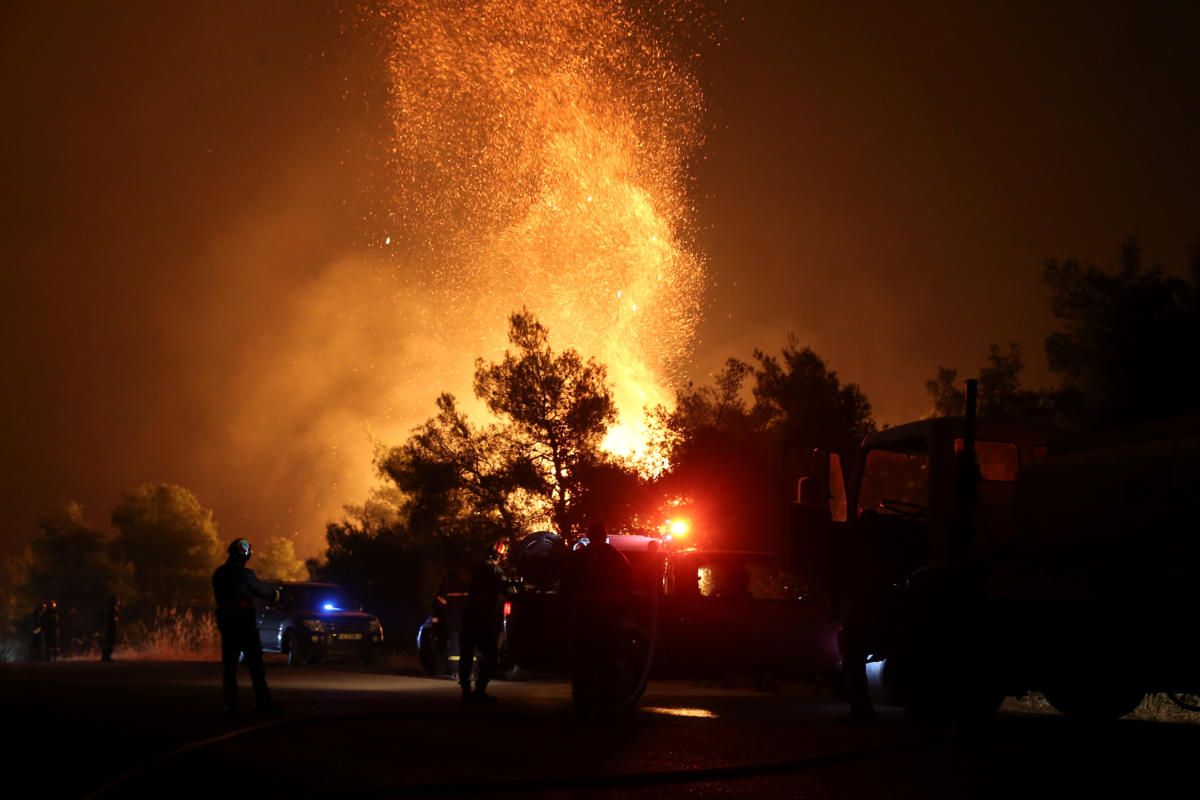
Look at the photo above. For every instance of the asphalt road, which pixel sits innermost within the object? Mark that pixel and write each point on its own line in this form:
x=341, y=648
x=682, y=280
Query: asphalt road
x=139, y=729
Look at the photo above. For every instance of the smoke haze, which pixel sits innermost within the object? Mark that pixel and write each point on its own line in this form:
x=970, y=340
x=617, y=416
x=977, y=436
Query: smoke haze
x=199, y=288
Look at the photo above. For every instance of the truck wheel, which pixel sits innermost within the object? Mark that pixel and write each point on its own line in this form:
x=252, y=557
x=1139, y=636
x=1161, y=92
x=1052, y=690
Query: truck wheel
x=508, y=669
x=295, y=653
x=617, y=685
x=1092, y=703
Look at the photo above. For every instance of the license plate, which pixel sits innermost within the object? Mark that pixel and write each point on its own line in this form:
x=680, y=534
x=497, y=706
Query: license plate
x=348, y=636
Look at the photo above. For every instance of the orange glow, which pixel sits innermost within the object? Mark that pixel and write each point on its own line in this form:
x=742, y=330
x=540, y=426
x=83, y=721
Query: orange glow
x=695, y=713
x=543, y=148
x=677, y=527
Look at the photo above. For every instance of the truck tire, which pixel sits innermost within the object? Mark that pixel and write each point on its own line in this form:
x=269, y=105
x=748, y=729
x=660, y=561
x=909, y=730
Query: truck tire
x=616, y=686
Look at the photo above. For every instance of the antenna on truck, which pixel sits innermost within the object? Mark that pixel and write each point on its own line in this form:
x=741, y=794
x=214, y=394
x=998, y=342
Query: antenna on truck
x=965, y=488
x=961, y=535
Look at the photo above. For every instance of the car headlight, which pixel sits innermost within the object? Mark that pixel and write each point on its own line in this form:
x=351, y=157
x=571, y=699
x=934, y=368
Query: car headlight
x=314, y=625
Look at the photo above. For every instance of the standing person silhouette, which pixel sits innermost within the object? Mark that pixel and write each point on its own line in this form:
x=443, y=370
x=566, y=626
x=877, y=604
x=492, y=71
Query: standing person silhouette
x=598, y=586
x=481, y=627
x=37, y=631
x=235, y=588
x=50, y=630
x=112, y=616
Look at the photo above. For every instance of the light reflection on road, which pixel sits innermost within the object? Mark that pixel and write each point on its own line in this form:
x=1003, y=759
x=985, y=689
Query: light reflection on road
x=697, y=713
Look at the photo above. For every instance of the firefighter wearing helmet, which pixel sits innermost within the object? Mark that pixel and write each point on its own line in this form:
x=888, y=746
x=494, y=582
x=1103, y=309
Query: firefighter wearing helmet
x=481, y=626
x=235, y=588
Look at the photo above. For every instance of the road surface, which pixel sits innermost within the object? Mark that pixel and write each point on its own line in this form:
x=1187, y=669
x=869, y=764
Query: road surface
x=137, y=729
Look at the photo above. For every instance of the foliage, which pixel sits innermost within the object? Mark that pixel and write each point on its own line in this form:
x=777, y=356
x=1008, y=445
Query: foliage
x=70, y=563
x=1001, y=396
x=1129, y=339
x=719, y=458
x=277, y=561
x=733, y=465
x=456, y=488
x=171, y=540
x=376, y=558
x=805, y=402
x=460, y=482
x=557, y=408
x=1124, y=351
x=534, y=467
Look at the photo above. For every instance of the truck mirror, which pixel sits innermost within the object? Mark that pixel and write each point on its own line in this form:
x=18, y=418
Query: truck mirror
x=812, y=487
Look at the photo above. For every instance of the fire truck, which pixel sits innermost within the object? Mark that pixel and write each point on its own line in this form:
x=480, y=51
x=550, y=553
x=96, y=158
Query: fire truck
x=994, y=560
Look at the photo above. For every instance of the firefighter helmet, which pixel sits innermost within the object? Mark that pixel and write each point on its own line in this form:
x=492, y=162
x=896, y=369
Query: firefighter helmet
x=240, y=548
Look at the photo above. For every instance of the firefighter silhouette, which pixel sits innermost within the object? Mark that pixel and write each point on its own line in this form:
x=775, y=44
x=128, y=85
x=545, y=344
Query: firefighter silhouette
x=448, y=609
x=235, y=588
x=481, y=627
x=598, y=585
x=37, y=634
x=112, y=616
x=50, y=630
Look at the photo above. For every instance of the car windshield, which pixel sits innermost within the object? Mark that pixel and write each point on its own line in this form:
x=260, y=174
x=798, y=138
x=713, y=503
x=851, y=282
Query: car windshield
x=321, y=598
x=896, y=481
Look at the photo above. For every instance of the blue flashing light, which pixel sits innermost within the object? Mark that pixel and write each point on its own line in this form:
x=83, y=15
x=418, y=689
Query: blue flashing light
x=330, y=607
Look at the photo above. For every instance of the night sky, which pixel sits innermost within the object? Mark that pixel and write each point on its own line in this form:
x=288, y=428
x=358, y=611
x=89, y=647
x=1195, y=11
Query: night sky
x=196, y=289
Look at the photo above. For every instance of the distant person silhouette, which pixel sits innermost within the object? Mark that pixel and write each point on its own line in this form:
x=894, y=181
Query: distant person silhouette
x=50, y=630
x=37, y=634
x=598, y=585
x=481, y=627
x=112, y=616
x=235, y=588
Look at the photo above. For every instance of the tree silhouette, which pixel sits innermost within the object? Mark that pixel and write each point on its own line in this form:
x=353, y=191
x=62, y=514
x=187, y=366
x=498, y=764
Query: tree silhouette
x=1130, y=338
x=557, y=408
x=735, y=463
x=1001, y=398
x=71, y=562
x=805, y=402
x=461, y=482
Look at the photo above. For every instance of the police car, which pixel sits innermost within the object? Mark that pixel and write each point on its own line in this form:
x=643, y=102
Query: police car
x=313, y=621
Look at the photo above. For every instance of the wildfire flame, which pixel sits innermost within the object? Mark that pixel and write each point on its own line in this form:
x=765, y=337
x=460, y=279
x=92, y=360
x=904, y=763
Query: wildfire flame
x=541, y=149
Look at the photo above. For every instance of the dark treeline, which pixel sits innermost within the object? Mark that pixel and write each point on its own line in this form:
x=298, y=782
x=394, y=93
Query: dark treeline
x=1125, y=351
x=158, y=560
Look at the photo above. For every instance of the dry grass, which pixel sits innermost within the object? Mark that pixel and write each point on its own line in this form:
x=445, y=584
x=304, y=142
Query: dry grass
x=177, y=636
x=171, y=635
x=1156, y=707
